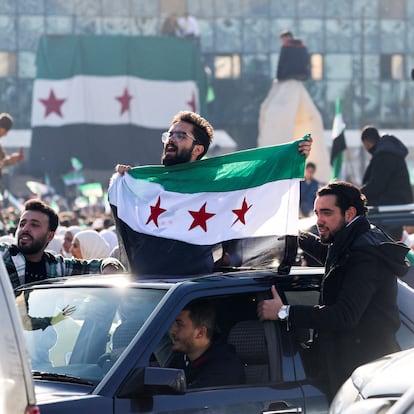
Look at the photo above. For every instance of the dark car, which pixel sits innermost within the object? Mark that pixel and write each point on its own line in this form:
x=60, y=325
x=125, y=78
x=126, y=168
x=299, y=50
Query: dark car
x=110, y=355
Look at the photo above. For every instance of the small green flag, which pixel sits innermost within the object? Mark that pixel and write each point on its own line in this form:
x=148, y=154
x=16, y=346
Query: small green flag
x=338, y=143
x=73, y=178
x=76, y=164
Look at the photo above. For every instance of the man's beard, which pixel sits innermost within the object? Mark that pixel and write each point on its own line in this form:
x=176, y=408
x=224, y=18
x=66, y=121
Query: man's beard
x=35, y=247
x=331, y=237
x=179, y=158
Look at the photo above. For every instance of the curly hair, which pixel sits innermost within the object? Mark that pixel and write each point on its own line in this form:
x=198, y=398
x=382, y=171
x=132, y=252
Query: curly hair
x=202, y=129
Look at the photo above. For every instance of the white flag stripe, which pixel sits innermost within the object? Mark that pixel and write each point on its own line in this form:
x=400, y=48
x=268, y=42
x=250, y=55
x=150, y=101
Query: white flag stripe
x=273, y=211
x=153, y=103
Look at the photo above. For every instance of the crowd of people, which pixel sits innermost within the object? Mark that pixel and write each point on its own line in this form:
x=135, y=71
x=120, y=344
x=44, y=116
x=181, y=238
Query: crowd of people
x=358, y=297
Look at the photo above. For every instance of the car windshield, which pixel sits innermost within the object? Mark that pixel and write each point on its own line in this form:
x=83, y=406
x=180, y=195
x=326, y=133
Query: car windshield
x=79, y=332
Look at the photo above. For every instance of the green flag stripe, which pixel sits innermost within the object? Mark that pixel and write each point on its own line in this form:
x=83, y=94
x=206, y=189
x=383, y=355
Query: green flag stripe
x=230, y=172
x=148, y=57
x=337, y=166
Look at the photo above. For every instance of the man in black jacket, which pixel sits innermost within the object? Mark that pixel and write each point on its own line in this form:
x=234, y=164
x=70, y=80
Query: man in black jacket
x=357, y=316
x=206, y=363
x=294, y=60
x=386, y=180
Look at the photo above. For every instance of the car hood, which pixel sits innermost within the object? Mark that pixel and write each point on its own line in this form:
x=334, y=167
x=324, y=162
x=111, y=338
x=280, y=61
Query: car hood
x=390, y=375
x=47, y=391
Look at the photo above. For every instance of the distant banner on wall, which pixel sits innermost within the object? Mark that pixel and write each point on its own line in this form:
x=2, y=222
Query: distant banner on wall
x=106, y=99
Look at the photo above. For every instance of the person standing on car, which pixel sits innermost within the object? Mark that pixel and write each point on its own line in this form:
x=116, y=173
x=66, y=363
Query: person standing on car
x=187, y=140
x=386, y=180
x=29, y=262
x=357, y=316
x=206, y=363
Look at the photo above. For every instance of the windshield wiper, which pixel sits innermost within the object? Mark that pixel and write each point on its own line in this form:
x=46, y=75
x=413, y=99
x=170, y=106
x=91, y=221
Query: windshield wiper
x=53, y=376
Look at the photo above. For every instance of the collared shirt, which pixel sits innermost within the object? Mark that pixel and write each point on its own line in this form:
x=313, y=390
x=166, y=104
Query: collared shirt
x=55, y=264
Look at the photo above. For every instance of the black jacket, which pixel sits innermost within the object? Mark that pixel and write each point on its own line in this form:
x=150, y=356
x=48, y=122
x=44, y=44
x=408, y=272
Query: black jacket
x=218, y=366
x=357, y=317
x=294, y=61
x=386, y=180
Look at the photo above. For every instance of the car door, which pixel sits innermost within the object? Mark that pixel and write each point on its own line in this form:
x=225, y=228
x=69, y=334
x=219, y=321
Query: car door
x=16, y=385
x=146, y=388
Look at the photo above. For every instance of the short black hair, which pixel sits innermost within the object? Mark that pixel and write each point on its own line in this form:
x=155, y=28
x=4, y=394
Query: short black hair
x=347, y=195
x=202, y=129
x=370, y=133
x=203, y=312
x=42, y=207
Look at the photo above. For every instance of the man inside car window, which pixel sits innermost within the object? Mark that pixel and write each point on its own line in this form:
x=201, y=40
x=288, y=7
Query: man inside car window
x=206, y=362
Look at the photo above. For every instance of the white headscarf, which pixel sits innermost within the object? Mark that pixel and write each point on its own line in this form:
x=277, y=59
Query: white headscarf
x=110, y=237
x=74, y=229
x=55, y=245
x=92, y=245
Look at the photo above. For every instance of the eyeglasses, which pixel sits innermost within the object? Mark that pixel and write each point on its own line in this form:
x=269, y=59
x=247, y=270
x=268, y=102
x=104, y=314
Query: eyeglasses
x=177, y=135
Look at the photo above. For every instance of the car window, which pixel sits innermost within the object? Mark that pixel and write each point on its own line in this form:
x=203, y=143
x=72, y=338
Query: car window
x=237, y=326
x=87, y=342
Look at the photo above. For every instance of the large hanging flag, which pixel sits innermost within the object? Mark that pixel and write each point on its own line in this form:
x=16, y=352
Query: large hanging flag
x=248, y=193
x=107, y=99
x=338, y=142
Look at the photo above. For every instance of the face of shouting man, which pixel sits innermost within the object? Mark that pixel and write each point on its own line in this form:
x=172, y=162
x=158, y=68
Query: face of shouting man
x=33, y=234
x=180, y=145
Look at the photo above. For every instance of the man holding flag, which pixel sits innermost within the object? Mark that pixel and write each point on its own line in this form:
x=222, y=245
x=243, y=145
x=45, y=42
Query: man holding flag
x=169, y=217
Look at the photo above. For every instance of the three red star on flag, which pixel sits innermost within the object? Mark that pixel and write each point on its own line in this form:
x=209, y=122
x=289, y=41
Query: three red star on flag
x=53, y=104
x=200, y=217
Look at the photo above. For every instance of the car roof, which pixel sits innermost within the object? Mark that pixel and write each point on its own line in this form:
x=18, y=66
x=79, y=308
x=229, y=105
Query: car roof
x=249, y=275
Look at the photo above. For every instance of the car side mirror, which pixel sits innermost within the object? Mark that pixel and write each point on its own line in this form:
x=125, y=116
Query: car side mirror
x=154, y=380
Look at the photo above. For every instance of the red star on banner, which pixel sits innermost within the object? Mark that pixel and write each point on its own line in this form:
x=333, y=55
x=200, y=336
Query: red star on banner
x=240, y=213
x=125, y=100
x=52, y=104
x=193, y=103
x=200, y=217
x=156, y=211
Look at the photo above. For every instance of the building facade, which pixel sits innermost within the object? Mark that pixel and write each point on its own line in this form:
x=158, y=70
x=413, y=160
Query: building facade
x=361, y=51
